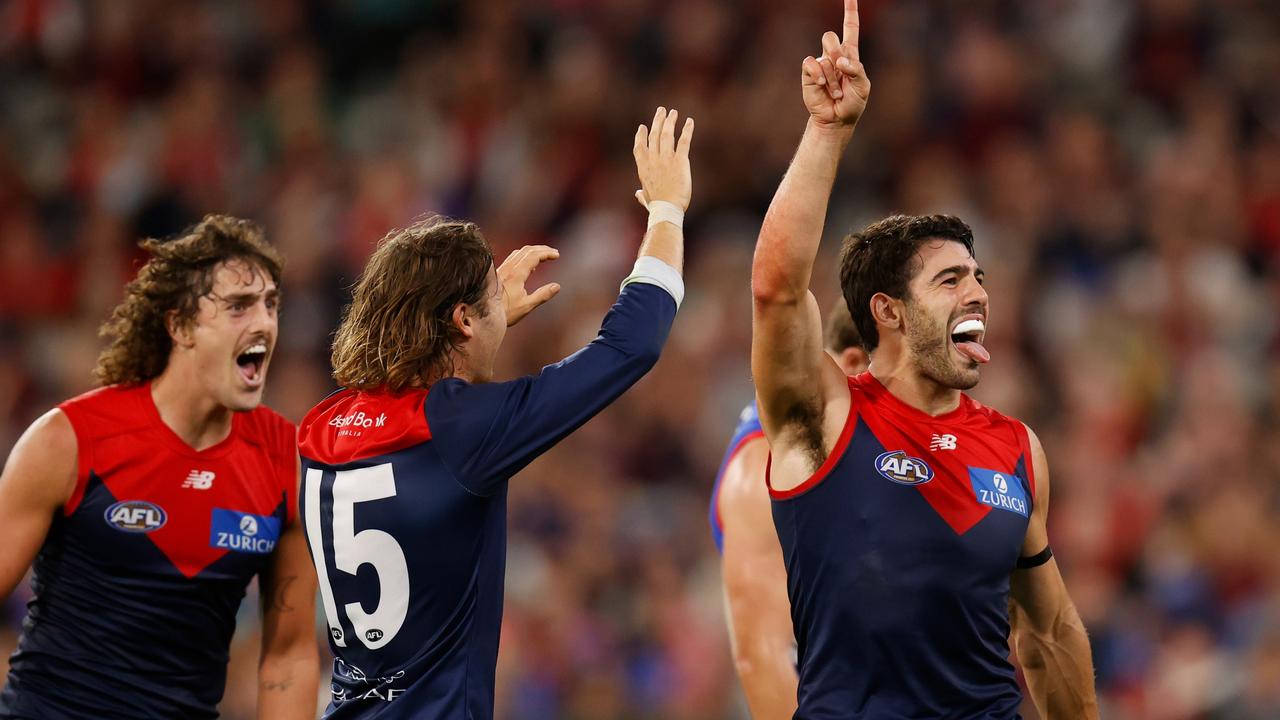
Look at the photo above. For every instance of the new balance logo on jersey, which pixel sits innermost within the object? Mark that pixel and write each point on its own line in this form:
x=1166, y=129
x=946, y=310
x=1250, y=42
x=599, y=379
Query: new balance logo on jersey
x=198, y=480
x=942, y=442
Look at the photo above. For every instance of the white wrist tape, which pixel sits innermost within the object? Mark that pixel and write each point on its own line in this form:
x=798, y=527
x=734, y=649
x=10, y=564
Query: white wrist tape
x=652, y=271
x=661, y=211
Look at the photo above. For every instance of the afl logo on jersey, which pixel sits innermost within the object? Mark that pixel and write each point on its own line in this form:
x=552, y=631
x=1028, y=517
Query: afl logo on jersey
x=135, y=516
x=903, y=469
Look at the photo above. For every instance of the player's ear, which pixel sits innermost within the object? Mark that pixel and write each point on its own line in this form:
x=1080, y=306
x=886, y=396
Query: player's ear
x=886, y=311
x=179, y=329
x=852, y=360
x=463, y=320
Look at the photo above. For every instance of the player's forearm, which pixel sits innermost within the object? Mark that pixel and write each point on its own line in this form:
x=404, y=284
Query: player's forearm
x=288, y=684
x=1059, y=668
x=665, y=242
x=792, y=229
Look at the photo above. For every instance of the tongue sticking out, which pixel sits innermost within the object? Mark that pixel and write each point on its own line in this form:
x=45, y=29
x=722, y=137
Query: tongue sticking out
x=974, y=351
x=966, y=335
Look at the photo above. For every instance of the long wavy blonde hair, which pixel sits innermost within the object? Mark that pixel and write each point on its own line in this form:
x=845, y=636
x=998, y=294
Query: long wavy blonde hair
x=398, y=331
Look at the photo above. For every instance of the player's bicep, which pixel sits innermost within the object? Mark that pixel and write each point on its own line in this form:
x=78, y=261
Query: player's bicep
x=794, y=377
x=1039, y=594
x=755, y=576
x=744, y=499
x=288, y=584
x=1036, y=539
x=39, y=477
x=288, y=590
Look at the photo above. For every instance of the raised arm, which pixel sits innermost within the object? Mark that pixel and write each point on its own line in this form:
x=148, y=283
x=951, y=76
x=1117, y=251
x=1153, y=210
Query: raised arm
x=755, y=587
x=1048, y=633
x=795, y=380
x=38, y=479
x=492, y=430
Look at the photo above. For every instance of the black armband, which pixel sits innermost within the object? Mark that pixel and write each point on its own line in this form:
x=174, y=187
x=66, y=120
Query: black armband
x=1036, y=560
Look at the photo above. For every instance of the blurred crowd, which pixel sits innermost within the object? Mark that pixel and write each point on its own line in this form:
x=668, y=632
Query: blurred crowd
x=1119, y=161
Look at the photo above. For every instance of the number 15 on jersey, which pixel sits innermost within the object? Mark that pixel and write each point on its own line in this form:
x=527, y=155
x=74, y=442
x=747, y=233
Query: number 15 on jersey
x=331, y=528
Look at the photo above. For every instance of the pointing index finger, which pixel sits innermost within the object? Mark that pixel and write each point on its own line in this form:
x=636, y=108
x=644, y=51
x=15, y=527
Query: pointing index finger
x=851, y=22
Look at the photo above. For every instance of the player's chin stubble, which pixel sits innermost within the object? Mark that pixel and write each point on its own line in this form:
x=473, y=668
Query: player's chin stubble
x=930, y=347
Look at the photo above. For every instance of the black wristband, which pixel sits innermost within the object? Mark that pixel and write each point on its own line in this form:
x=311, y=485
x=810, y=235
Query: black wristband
x=1036, y=560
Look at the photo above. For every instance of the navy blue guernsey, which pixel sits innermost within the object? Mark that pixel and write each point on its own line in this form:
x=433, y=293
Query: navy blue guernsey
x=899, y=551
x=748, y=429
x=405, y=503
x=137, y=584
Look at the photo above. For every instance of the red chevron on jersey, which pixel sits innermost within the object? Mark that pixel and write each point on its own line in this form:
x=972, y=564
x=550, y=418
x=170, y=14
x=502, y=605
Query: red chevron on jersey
x=975, y=436
x=195, y=506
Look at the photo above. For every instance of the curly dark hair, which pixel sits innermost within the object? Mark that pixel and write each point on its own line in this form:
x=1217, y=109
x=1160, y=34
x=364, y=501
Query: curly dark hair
x=398, y=330
x=179, y=273
x=882, y=258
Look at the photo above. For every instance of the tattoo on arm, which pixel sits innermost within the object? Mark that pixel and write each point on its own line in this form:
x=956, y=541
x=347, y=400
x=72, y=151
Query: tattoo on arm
x=280, y=685
x=279, y=599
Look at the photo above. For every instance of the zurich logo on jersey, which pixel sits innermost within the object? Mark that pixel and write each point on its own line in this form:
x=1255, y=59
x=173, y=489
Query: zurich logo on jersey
x=243, y=532
x=1003, y=491
x=135, y=516
x=903, y=469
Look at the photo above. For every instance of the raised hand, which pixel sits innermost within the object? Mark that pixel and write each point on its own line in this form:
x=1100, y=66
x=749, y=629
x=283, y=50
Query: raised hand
x=514, y=273
x=835, y=86
x=662, y=162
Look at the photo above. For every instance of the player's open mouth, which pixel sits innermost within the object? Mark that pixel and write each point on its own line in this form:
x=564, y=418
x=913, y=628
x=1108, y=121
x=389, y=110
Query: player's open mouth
x=967, y=336
x=250, y=362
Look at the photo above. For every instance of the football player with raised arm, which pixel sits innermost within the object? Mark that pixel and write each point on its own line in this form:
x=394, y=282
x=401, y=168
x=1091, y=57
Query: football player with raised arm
x=406, y=468
x=754, y=578
x=909, y=514
x=146, y=506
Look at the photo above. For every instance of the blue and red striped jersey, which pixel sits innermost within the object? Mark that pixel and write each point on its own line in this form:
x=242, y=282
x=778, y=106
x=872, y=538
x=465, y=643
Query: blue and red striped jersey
x=137, y=585
x=405, y=505
x=899, y=551
x=748, y=429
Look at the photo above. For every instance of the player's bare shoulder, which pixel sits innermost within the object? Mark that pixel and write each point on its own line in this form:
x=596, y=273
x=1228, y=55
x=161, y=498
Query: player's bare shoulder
x=43, y=461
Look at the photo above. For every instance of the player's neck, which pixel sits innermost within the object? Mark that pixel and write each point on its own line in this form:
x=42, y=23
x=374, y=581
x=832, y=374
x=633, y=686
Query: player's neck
x=907, y=384
x=463, y=369
x=197, y=419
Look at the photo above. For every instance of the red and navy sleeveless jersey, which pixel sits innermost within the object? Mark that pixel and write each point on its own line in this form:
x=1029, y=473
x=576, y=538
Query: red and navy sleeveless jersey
x=405, y=506
x=137, y=585
x=748, y=429
x=899, y=551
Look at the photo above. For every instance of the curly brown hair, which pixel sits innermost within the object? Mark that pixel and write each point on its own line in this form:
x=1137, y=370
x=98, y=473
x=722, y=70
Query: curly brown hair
x=398, y=331
x=179, y=273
